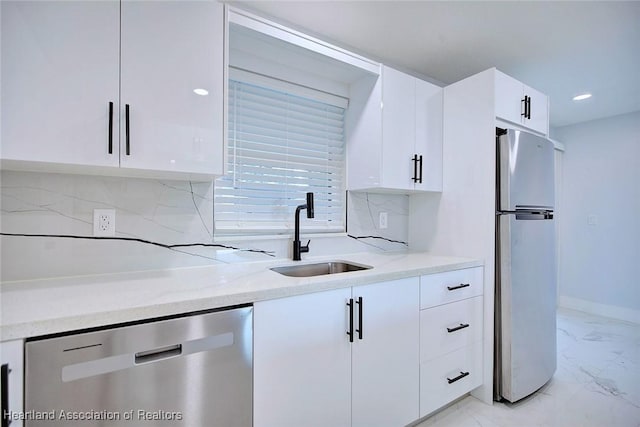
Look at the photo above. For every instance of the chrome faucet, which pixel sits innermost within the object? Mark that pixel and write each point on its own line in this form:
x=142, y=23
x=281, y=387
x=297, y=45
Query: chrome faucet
x=297, y=246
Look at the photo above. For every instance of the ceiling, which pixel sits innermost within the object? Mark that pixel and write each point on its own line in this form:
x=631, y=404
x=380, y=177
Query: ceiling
x=562, y=48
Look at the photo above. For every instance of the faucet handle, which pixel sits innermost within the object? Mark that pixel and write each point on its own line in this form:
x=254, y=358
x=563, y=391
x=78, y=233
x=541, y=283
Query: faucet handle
x=305, y=248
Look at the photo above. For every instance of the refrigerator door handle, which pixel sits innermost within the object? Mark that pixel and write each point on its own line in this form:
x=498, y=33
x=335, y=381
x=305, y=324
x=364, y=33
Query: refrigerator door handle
x=532, y=216
x=529, y=215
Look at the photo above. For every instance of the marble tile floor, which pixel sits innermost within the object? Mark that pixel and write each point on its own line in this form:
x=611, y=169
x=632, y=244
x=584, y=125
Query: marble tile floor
x=597, y=382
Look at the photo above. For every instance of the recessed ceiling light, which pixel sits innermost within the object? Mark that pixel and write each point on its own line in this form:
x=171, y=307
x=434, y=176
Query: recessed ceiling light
x=201, y=92
x=581, y=97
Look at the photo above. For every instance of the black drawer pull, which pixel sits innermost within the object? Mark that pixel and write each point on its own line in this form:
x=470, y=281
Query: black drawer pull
x=6, y=420
x=459, y=377
x=457, y=328
x=460, y=286
x=158, y=353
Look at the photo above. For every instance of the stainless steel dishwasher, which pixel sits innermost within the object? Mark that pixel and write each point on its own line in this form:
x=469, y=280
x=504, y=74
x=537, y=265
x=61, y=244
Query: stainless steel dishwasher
x=193, y=371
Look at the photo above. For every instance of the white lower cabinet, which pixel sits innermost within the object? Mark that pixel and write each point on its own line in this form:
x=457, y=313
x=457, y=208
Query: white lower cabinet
x=308, y=372
x=451, y=336
x=378, y=355
x=450, y=376
x=302, y=361
x=12, y=363
x=450, y=286
x=449, y=327
x=384, y=361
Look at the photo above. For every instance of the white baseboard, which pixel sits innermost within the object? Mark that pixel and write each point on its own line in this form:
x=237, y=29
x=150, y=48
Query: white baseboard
x=612, y=311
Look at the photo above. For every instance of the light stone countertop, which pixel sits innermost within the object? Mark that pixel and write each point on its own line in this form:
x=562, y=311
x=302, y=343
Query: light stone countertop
x=41, y=307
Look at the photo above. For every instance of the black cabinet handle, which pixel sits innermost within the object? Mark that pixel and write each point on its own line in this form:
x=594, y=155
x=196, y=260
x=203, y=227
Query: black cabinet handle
x=415, y=168
x=457, y=328
x=420, y=160
x=4, y=386
x=359, y=330
x=350, y=331
x=527, y=107
x=460, y=286
x=126, y=130
x=110, y=127
x=459, y=377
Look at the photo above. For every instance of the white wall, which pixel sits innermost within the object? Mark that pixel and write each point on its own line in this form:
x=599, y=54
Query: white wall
x=600, y=219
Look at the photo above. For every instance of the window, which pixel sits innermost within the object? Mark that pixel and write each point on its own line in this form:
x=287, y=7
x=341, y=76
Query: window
x=281, y=146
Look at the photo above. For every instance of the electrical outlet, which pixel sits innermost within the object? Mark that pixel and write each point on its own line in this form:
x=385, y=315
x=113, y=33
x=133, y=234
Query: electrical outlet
x=104, y=222
x=383, y=220
x=592, y=219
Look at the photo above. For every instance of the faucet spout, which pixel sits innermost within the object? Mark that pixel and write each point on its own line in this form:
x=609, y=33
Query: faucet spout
x=298, y=248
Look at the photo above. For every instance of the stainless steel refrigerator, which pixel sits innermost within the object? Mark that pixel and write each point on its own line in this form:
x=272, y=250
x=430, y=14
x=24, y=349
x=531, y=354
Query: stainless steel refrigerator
x=525, y=313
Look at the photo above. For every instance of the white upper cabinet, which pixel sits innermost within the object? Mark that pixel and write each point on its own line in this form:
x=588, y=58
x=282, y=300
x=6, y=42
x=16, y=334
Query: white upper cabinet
x=429, y=122
x=398, y=129
x=537, y=110
x=169, y=50
x=72, y=70
x=398, y=149
x=521, y=104
x=59, y=73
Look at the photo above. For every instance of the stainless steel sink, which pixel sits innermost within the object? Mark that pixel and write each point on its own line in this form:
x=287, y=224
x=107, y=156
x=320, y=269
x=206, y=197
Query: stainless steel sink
x=319, y=269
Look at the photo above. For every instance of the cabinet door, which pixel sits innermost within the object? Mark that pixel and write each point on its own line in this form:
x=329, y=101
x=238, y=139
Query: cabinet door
x=398, y=129
x=11, y=360
x=170, y=49
x=385, y=361
x=59, y=74
x=429, y=122
x=509, y=98
x=302, y=361
x=539, y=113
x=364, y=134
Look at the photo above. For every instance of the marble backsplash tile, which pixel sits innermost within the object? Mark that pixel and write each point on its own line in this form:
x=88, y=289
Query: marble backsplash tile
x=363, y=219
x=170, y=212
x=47, y=226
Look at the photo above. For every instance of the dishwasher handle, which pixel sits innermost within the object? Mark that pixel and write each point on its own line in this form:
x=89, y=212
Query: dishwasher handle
x=158, y=353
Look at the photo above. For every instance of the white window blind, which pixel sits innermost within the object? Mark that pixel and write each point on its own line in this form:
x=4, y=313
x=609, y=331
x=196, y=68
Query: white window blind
x=281, y=146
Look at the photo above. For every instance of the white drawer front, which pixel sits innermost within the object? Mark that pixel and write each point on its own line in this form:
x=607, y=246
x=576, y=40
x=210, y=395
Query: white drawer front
x=449, y=327
x=442, y=288
x=443, y=380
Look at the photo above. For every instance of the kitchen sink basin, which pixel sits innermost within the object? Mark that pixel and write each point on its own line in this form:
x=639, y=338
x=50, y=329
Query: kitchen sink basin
x=319, y=269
